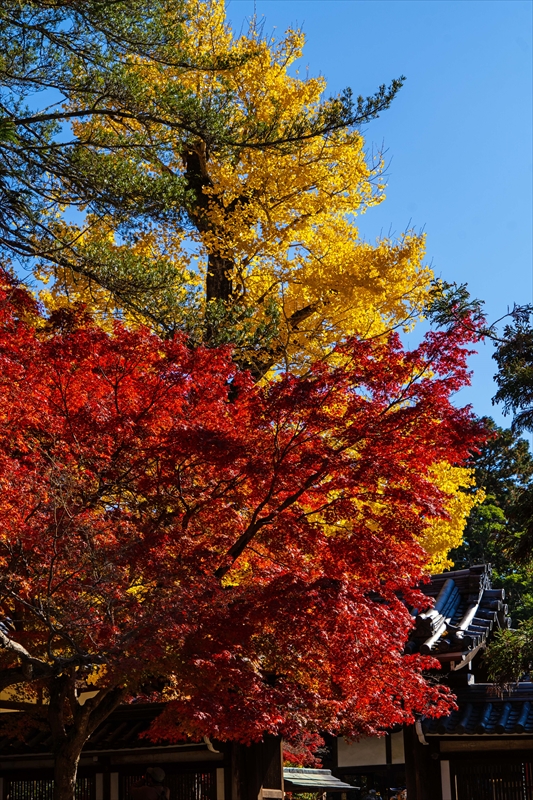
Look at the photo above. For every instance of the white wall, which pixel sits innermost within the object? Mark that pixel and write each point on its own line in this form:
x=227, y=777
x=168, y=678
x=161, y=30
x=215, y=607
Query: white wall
x=368, y=750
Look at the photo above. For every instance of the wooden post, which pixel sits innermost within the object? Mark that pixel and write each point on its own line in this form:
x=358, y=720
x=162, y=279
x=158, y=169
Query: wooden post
x=422, y=768
x=257, y=770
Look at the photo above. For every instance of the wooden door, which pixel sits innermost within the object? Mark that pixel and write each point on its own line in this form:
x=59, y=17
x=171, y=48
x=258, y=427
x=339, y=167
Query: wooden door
x=183, y=784
x=492, y=779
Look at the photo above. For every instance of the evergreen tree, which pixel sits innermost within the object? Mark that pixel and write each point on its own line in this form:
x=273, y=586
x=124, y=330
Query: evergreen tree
x=504, y=470
x=179, y=176
x=511, y=654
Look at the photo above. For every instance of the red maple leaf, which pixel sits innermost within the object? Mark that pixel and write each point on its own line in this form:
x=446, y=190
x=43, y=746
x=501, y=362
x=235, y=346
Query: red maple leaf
x=166, y=522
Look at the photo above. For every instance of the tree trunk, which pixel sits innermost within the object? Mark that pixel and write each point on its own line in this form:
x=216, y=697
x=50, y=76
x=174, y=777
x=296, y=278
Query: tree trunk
x=65, y=771
x=218, y=280
x=219, y=284
x=69, y=739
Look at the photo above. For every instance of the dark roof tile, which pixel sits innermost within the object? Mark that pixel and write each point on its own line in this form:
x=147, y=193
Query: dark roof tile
x=465, y=612
x=482, y=713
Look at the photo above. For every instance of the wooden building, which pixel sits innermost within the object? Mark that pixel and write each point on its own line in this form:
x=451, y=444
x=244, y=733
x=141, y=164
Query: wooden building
x=116, y=755
x=482, y=751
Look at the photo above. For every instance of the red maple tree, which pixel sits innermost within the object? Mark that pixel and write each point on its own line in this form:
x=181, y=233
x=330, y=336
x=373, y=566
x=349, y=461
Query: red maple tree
x=162, y=517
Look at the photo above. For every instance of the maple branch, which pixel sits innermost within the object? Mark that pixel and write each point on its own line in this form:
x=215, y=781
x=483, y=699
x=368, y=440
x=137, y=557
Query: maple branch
x=100, y=706
x=240, y=545
x=11, y=677
x=28, y=661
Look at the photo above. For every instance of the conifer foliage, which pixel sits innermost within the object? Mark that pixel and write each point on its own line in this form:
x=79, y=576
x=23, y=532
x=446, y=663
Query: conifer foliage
x=183, y=176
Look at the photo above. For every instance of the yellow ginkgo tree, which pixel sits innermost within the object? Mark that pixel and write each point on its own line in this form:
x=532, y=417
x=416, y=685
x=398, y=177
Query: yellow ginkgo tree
x=257, y=239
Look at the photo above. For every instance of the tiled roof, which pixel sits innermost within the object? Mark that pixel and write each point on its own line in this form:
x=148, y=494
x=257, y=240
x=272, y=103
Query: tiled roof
x=481, y=712
x=122, y=730
x=465, y=611
x=313, y=780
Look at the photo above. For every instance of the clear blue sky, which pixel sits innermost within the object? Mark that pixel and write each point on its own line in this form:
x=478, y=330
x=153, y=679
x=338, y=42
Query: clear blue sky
x=458, y=136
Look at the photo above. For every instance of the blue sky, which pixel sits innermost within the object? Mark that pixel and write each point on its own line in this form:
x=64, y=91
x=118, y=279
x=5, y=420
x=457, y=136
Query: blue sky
x=458, y=136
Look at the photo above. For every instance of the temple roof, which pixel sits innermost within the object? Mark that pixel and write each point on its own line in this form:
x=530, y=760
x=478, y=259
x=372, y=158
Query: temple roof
x=465, y=612
x=482, y=712
x=122, y=730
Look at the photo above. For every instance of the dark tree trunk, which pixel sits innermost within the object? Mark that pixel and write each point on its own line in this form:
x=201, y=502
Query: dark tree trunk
x=65, y=771
x=218, y=282
x=219, y=268
x=71, y=725
x=67, y=745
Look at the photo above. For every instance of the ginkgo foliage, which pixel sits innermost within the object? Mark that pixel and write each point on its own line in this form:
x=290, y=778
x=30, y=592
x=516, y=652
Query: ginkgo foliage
x=162, y=516
x=191, y=179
